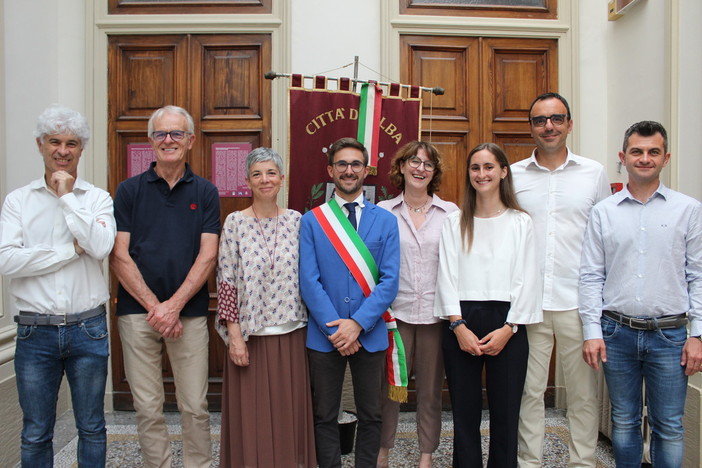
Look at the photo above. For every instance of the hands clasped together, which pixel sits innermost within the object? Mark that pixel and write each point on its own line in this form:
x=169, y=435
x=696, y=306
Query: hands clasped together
x=491, y=344
x=165, y=319
x=345, y=338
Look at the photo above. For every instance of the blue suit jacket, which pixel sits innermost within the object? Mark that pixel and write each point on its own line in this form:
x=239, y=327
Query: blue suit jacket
x=331, y=292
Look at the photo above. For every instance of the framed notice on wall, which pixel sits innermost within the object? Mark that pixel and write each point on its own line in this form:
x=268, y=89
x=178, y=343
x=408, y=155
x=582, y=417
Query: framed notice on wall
x=139, y=158
x=229, y=169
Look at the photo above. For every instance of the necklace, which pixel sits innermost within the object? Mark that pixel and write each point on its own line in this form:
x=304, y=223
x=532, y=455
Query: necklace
x=493, y=214
x=418, y=209
x=271, y=254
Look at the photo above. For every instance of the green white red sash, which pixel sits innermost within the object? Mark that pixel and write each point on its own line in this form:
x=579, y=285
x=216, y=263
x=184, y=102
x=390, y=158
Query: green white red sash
x=361, y=264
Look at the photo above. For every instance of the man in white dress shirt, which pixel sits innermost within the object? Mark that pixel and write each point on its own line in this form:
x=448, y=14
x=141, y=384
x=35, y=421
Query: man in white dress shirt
x=558, y=189
x=54, y=234
x=640, y=282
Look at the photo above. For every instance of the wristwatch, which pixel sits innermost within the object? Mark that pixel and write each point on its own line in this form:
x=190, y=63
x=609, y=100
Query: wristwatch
x=515, y=327
x=456, y=323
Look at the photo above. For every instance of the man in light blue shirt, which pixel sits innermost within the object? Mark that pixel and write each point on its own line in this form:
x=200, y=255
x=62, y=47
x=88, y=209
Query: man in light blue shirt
x=640, y=283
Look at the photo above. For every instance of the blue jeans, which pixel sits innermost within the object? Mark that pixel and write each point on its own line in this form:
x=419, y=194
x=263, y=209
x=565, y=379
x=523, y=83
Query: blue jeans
x=42, y=356
x=635, y=356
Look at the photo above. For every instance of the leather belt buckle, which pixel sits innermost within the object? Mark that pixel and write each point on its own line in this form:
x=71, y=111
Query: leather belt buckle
x=651, y=324
x=60, y=320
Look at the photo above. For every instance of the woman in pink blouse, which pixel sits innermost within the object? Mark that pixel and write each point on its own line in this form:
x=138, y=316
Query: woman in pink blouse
x=266, y=400
x=416, y=170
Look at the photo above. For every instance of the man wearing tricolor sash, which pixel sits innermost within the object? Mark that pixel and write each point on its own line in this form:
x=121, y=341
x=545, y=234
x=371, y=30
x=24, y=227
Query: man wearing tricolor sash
x=349, y=267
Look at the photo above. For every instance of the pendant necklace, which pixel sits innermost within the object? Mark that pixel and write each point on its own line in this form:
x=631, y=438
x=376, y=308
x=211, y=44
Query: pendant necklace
x=271, y=255
x=419, y=209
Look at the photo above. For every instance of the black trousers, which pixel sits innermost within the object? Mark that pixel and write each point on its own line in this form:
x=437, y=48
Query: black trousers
x=505, y=374
x=327, y=377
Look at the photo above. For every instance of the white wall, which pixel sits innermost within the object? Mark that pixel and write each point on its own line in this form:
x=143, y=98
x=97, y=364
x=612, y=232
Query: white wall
x=629, y=72
x=690, y=99
x=592, y=122
x=45, y=64
x=327, y=34
x=638, y=70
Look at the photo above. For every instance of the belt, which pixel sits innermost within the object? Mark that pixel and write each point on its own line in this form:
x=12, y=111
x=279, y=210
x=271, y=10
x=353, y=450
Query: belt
x=33, y=318
x=655, y=323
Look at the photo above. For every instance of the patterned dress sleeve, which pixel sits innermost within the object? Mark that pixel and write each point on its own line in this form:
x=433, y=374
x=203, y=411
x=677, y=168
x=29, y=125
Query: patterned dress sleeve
x=228, y=272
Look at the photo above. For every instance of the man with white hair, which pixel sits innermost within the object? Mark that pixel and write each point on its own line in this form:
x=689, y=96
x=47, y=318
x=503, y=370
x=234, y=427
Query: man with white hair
x=166, y=247
x=54, y=234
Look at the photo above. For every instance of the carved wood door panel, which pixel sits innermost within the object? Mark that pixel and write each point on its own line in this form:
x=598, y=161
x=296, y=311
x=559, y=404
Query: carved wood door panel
x=218, y=78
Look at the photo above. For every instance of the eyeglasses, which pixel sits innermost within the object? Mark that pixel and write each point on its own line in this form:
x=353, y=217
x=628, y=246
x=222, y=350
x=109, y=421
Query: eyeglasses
x=415, y=162
x=356, y=166
x=176, y=135
x=540, y=120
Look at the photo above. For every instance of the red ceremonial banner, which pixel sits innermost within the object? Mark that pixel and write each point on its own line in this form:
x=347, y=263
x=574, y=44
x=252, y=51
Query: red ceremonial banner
x=319, y=117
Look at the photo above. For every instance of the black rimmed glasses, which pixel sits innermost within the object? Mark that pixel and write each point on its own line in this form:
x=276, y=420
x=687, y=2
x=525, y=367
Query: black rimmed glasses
x=176, y=135
x=415, y=163
x=341, y=166
x=540, y=120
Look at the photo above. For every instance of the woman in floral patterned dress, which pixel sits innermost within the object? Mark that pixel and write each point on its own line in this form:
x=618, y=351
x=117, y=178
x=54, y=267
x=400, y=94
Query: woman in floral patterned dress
x=266, y=401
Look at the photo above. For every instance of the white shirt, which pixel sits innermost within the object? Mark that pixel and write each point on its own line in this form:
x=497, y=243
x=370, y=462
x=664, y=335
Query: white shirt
x=501, y=266
x=642, y=259
x=559, y=203
x=360, y=204
x=37, y=229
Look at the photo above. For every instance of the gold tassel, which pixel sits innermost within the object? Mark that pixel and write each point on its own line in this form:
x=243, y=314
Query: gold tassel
x=372, y=170
x=398, y=394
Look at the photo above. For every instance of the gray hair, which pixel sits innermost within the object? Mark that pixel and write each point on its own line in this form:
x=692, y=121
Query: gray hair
x=262, y=155
x=58, y=119
x=158, y=113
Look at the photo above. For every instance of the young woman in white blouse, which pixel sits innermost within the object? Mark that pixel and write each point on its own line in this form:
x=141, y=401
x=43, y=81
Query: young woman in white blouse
x=488, y=285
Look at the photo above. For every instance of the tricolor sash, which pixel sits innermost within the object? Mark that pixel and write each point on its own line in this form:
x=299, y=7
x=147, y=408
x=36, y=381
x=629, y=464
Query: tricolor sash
x=358, y=259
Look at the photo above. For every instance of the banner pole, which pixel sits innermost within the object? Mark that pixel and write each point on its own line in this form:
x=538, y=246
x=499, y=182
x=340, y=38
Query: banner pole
x=355, y=72
x=271, y=75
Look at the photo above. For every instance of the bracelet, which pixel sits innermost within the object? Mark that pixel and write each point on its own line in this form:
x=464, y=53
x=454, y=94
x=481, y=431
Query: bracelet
x=456, y=323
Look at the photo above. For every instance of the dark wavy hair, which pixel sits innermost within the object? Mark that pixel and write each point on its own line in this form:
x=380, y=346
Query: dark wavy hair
x=646, y=128
x=406, y=152
x=507, y=196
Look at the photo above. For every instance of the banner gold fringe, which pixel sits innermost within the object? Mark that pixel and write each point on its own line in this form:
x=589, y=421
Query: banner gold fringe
x=398, y=394
x=372, y=170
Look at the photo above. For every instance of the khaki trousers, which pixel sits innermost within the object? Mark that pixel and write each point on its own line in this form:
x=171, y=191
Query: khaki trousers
x=425, y=360
x=142, y=350
x=583, y=412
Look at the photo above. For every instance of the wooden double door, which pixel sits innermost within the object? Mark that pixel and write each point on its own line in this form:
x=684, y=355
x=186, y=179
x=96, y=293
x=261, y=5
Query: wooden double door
x=489, y=85
x=218, y=78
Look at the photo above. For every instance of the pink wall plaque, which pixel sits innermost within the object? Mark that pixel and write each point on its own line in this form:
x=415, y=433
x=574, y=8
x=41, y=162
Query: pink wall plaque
x=139, y=157
x=229, y=169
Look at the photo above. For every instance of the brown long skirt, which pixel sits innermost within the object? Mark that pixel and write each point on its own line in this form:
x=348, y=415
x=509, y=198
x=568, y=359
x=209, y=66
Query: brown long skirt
x=267, y=406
